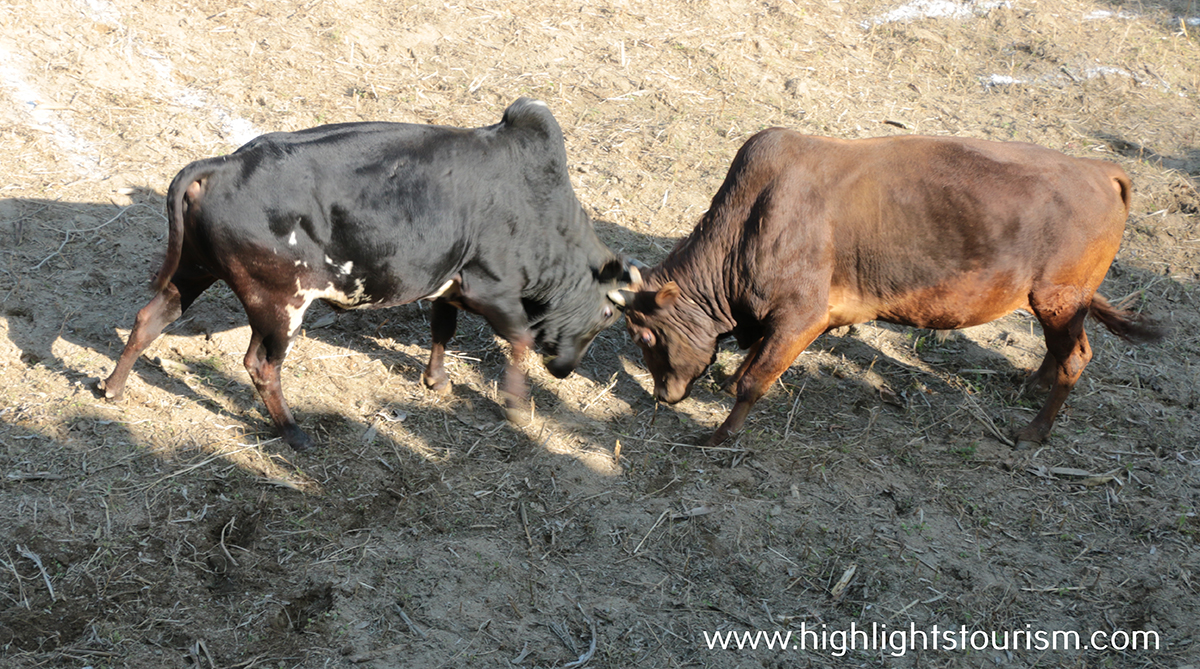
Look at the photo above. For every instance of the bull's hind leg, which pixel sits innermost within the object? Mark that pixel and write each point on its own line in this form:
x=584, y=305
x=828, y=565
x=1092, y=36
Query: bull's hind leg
x=163, y=309
x=1043, y=379
x=270, y=335
x=1067, y=344
x=443, y=320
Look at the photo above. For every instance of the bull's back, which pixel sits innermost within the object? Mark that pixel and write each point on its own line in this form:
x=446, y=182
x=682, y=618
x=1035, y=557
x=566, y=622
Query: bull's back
x=944, y=232
x=355, y=210
x=385, y=211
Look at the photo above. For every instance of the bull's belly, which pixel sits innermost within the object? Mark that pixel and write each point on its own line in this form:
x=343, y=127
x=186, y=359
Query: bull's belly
x=938, y=308
x=355, y=296
x=451, y=291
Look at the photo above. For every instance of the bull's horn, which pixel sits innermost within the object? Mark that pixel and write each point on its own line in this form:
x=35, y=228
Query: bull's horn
x=617, y=298
x=635, y=275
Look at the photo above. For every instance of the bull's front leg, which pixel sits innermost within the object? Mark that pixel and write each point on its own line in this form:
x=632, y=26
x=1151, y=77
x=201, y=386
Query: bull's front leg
x=515, y=388
x=506, y=315
x=773, y=354
x=730, y=384
x=443, y=321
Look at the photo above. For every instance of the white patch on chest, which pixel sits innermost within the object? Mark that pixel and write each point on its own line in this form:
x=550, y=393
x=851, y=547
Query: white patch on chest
x=342, y=269
x=292, y=239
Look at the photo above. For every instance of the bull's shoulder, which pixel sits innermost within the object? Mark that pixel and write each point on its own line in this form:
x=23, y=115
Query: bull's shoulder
x=783, y=149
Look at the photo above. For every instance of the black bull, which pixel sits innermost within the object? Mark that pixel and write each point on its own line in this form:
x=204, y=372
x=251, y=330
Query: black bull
x=370, y=215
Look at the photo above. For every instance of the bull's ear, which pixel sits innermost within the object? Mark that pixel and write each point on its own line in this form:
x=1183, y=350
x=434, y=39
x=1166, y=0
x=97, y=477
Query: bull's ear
x=611, y=271
x=667, y=295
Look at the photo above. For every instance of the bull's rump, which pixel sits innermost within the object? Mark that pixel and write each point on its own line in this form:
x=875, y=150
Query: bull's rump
x=948, y=233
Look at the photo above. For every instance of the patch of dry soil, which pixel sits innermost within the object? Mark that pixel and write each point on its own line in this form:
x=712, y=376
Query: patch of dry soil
x=869, y=488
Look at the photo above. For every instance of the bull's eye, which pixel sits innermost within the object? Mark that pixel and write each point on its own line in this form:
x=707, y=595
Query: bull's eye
x=607, y=312
x=648, y=338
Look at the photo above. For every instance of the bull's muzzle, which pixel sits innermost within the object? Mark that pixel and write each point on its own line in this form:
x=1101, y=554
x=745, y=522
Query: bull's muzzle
x=560, y=366
x=671, y=393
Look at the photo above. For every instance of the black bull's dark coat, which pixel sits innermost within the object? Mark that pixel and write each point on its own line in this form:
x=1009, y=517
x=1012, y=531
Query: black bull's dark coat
x=368, y=215
x=808, y=234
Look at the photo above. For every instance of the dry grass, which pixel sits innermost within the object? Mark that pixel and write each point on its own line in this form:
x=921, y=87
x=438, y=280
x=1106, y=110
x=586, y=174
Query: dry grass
x=872, y=485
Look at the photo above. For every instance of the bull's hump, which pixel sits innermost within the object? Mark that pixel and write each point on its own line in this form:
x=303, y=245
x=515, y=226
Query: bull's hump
x=527, y=113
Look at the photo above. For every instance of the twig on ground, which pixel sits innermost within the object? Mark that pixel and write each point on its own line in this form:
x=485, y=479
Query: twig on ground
x=655, y=526
x=218, y=456
x=225, y=531
x=611, y=382
x=980, y=415
x=38, y=561
x=591, y=651
x=564, y=635
x=412, y=627
x=525, y=523
x=67, y=235
x=839, y=588
x=521, y=658
x=787, y=428
x=23, y=600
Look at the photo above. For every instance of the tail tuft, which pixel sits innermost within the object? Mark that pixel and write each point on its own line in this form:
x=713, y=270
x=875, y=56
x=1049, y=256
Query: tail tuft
x=1128, y=325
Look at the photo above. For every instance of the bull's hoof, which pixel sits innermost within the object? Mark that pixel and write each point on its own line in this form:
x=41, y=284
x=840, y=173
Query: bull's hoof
x=110, y=394
x=1028, y=438
x=517, y=410
x=298, y=440
x=519, y=416
x=441, y=385
x=719, y=437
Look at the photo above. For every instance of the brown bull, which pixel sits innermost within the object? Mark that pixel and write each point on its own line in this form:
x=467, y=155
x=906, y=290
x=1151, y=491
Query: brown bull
x=807, y=234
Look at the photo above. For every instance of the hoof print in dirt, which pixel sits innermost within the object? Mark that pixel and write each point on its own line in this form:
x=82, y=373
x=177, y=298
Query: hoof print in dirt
x=306, y=609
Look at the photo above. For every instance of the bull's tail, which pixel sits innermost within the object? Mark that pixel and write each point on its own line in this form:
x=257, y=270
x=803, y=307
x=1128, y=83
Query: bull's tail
x=1127, y=325
x=181, y=185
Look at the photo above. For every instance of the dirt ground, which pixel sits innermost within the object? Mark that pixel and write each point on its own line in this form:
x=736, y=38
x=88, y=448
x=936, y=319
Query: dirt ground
x=872, y=486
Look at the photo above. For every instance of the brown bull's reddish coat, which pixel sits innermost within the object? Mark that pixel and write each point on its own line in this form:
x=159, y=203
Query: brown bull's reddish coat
x=808, y=234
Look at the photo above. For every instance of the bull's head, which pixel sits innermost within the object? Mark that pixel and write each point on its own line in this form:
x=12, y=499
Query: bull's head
x=568, y=340
x=676, y=341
